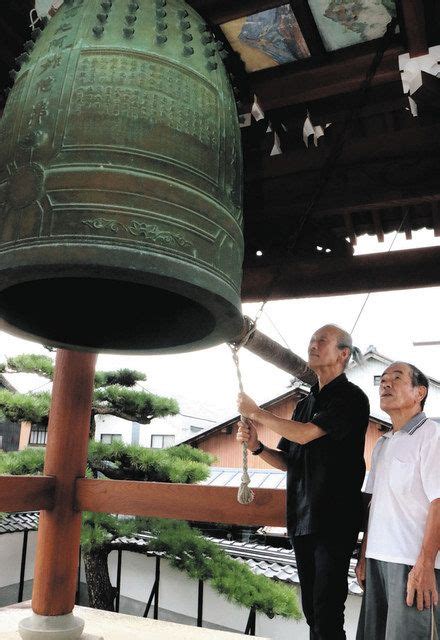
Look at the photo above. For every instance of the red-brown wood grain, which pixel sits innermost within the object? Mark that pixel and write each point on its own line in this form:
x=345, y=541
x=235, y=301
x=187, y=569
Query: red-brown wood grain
x=26, y=493
x=56, y=560
x=181, y=501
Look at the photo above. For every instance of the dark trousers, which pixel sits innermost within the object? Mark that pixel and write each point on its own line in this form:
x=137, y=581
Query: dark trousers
x=322, y=562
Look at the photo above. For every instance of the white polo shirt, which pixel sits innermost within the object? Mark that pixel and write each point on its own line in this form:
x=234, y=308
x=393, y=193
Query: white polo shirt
x=404, y=480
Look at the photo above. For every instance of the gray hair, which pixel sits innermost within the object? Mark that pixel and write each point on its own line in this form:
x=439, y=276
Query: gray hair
x=345, y=342
x=418, y=379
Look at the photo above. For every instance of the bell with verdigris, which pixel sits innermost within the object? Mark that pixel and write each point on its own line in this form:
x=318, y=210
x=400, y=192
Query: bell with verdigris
x=120, y=183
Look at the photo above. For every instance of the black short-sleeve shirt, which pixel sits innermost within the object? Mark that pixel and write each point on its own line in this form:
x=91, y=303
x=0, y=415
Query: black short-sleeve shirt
x=325, y=476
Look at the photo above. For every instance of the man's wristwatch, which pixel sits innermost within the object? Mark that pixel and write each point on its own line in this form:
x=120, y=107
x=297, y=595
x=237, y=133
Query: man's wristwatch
x=259, y=449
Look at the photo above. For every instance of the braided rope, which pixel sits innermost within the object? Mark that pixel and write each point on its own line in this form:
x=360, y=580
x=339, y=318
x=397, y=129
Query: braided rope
x=245, y=494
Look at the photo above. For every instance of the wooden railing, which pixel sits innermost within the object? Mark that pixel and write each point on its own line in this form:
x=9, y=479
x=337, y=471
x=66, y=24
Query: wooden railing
x=180, y=501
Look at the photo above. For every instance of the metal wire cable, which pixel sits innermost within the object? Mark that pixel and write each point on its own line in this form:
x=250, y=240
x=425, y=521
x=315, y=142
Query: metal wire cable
x=367, y=297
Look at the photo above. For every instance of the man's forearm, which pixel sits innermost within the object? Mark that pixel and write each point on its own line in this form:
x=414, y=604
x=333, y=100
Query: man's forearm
x=431, y=538
x=299, y=432
x=274, y=457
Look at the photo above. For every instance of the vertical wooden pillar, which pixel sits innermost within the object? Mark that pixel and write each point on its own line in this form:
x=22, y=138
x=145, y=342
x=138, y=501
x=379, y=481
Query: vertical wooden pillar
x=415, y=27
x=59, y=530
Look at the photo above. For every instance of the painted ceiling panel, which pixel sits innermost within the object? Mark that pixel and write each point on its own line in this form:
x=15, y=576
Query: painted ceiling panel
x=346, y=22
x=267, y=39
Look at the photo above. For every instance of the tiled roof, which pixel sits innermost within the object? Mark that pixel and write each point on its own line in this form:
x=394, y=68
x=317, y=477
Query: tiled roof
x=14, y=522
x=272, y=562
x=260, y=478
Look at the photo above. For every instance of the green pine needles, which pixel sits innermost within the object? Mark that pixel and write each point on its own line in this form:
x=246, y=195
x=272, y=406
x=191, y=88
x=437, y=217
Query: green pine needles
x=201, y=559
x=28, y=462
x=141, y=406
x=181, y=464
x=32, y=363
x=114, y=395
x=19, y=406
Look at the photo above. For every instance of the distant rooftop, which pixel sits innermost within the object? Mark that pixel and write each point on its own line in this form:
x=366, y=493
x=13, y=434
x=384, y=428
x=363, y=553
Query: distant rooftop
x=260, y=478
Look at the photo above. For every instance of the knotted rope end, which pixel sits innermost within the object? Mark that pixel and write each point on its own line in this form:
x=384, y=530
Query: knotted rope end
x=245, y=494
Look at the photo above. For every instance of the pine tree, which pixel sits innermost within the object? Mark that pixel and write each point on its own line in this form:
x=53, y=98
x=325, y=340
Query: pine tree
x=182, y=545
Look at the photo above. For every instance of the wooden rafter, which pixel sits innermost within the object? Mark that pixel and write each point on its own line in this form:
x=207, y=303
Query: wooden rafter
x=351, y=233
x=407, y=222
x=377, y=222
x=436, y=218
x=307, y=80
x=309, y=29
x=394, y=169
x=221, y=11
x=412, y=14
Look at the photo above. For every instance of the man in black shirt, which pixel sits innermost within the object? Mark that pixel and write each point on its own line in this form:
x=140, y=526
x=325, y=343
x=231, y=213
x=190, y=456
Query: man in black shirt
x=322, y=450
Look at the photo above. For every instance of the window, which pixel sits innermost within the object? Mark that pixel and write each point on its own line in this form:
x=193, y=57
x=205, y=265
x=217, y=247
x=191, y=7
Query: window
x=1, y=442
x=108, y=438
x=38, y=435
x=377, y=380
x=162, y=442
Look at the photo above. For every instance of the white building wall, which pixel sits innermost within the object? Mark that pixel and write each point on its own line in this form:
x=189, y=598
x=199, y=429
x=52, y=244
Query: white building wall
x=179, y=426
x=113, y=425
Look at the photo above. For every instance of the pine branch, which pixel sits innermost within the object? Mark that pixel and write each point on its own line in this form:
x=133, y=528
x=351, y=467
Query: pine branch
x=111, y=411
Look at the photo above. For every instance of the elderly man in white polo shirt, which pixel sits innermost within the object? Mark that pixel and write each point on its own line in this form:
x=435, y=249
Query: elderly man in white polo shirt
x=399, y=563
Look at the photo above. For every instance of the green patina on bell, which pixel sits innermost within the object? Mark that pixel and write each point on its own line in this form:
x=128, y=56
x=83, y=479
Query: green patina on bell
x=120, y=183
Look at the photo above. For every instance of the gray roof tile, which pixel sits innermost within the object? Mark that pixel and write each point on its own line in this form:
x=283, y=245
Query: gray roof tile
x=273, y=562
x=14, y=522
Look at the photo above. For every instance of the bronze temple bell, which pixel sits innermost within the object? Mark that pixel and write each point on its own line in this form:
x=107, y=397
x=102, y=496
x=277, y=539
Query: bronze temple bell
x=120, y=184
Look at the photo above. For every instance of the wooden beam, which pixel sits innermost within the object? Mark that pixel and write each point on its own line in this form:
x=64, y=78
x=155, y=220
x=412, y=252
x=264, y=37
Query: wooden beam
x=436, y=218
x=399, y=168
x=181, y=501
x=351, y=233
x=221, y=11
x=414, y=26
x=26, y=493
x=304, y=81
x=396, y=145
x=335, y=276
x=407, y=222
x=308, y=26
x=377, y=225
x=281, y=204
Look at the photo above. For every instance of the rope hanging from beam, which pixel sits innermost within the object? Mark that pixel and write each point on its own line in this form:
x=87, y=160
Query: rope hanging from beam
x=245, y=494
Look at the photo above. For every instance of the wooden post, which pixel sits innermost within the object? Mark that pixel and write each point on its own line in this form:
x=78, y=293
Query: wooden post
x=56, y=560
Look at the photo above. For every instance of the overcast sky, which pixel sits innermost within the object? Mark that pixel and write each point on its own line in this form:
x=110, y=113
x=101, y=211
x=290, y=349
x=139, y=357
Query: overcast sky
x=390, y=321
